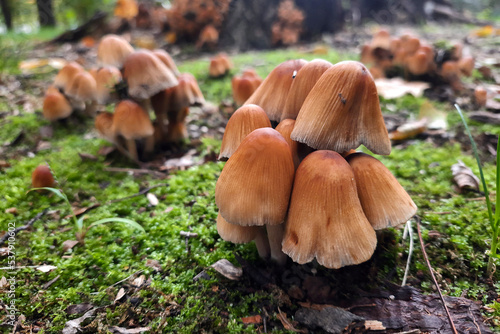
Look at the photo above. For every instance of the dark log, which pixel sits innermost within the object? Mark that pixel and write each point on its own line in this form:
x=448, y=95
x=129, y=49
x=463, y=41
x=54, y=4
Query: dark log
x=96, y=24
x=46, y=16
x=7, y=13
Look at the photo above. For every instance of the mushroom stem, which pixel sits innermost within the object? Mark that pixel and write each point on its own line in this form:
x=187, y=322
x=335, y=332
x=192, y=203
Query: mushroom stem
x=90, y=108
x=262, y=244
x=122, y=150
x=132, y=148
x=149, y=146
x=275, y=235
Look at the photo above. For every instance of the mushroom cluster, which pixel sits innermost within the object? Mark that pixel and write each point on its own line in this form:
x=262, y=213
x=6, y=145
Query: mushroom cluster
x=133, y=80
x=301, y=190
x=411, y=57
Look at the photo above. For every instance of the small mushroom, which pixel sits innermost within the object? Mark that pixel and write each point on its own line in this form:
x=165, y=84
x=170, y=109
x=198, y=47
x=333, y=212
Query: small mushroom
x=167, y=59
x=83, y=92
x=325, y=219
x=113, y=50
x=42, y=177
x=55, y=105
x=106, y=79
x=66, y=75
x=384, y=201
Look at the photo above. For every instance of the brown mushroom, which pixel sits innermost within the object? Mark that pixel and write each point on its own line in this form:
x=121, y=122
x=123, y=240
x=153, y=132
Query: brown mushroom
x=113, y=50
x=325, y=219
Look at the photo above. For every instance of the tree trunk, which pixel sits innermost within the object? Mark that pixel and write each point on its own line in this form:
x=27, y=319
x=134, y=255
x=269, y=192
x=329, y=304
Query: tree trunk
x=321, y=16
x=7, y=14
x=248, y=24
x=46, y=16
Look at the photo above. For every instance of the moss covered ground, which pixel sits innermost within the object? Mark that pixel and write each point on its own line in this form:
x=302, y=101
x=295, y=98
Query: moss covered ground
x=455, y=227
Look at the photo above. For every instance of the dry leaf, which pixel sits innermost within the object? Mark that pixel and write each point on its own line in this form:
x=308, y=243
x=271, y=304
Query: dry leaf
x=139, y=281
x=485, y=117
x=73, y=326
x=121, y=330
x=78, y=308
x=256, y=319
x=436, y=119
x=153, y=200
x=120, y=294
x=374, y=325
x=227, y=269
x=12, y=211
x=287, y=324
x=397, y=87
x=3, y=282
x=69, y=244
x=409, y=130
x=46, y=268
x=4, y=164
x=464, y=177
x=155, y=264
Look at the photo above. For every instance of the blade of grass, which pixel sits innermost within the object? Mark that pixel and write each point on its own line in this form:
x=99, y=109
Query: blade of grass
x=129, y=222
x=475, y=150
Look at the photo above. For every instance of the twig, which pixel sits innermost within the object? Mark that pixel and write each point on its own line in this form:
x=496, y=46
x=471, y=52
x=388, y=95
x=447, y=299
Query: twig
x=475, y=323
x=408, y=229
x=433, y=277
x=30, y=223
x=142, y=192
x=134, y=170
x=123, y=280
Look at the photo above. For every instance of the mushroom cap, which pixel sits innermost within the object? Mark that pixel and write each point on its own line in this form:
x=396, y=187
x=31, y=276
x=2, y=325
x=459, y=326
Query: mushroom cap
x=104, y=125
x=273, y=92
x=243, y=121
x=381, y=39
x=342, y=111
x=146, y=75
x=217, y=67
x=131, y=121
x=113, y=50
x=83, y=87
x=195, y=89
x=304, y=81
x=167, y=59
x=235, y=233
x=325, y=219
x=106, y=79
x=243, y=87
x=66, y=75
x=42, y=177
x=56, y=106
x=466, y=65
x=480, y=96
x=255, y=184
x=384, y=201
x=299, y=150
x=418, y=63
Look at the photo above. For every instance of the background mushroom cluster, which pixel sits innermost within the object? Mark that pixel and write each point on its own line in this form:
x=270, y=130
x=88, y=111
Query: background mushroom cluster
x=300, y=190
x=412, y=57
x=133, y=80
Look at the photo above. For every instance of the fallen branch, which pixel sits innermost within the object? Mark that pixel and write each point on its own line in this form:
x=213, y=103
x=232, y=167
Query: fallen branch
x=22, y=228
x=433, y=277
x=142, y=192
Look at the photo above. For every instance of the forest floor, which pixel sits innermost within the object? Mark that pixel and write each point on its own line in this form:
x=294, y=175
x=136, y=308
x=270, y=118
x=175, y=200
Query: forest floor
x=124, y=281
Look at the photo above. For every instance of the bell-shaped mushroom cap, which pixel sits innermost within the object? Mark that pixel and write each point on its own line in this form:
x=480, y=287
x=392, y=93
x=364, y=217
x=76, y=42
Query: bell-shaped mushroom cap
x=418, y=63
x=42, y=177
x=273, y=92
x=56, y=106
x=342, y=111
x=235, y=233
x=199, y=99
x=384, y=201
x=480, y=96
x=325, y=219
x=131, y=121
x=104, y=125
x=304, y=81
x=113, y=50
x=255, y=184
x=217, y=67
x=299, y=150
x=381, y=39
x=166, y=59
x=243, y=88
x=83, y=87
x=66, y=75
x=466, y=66
x=106, y=79
x=146, y=75
x=244, y=120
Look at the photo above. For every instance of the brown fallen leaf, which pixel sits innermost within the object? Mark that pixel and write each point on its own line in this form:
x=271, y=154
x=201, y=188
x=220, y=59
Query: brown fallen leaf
x=464, y=177
x=255, y=319
x=4, y=164
x=69, y=244
x=409, y=130
x=287, y=324
x=73, y=326
x=120, y=294
x=78, y=308
x=155, y=264
x=12, y=211
x=374, y=325
x=227, y=269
